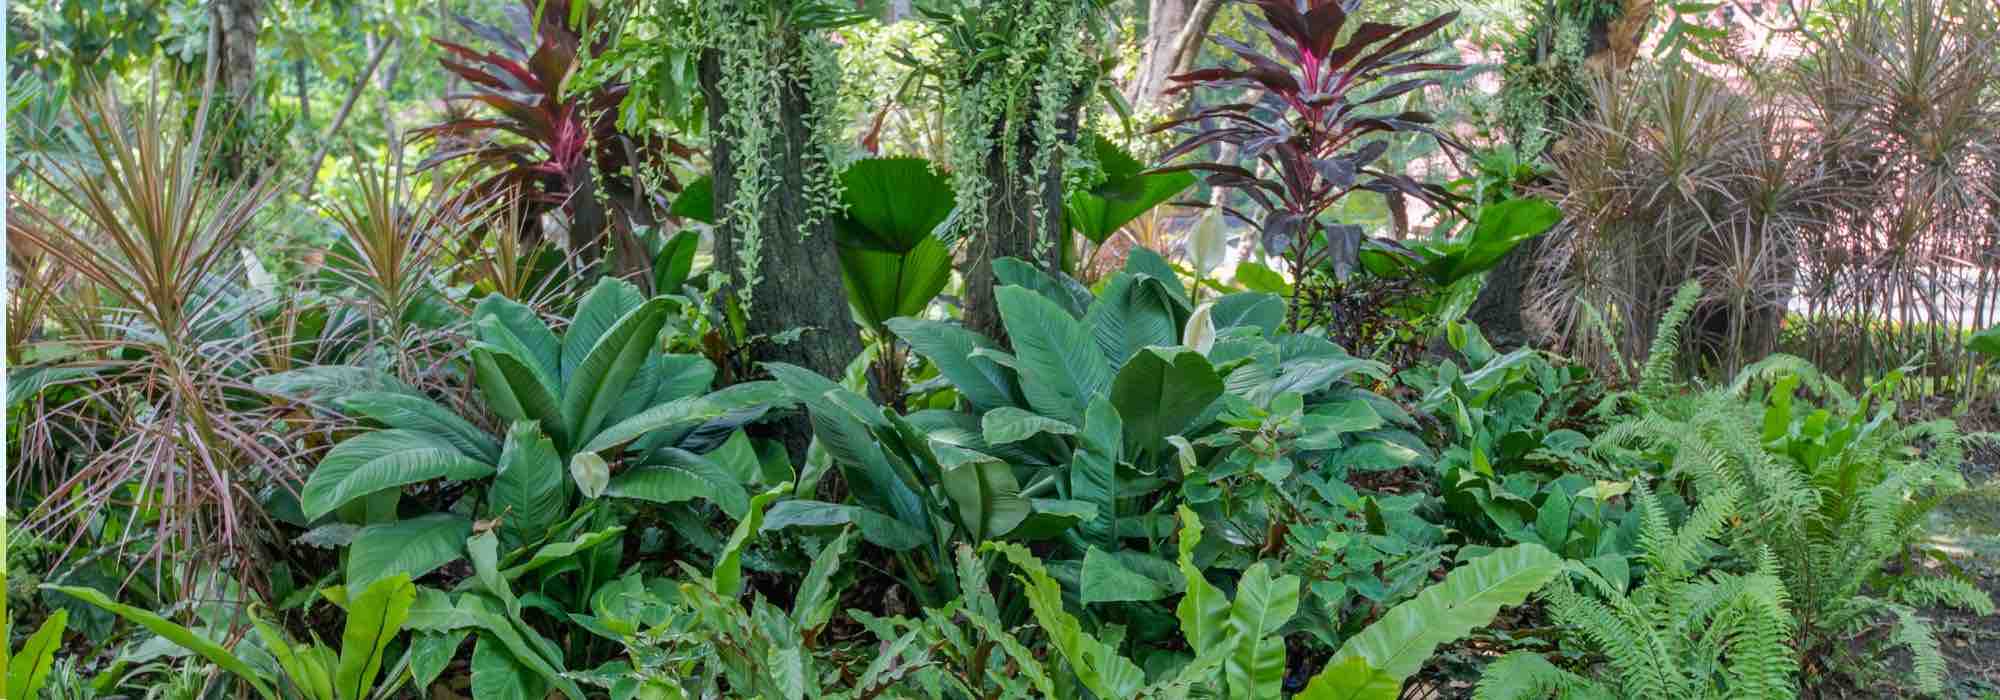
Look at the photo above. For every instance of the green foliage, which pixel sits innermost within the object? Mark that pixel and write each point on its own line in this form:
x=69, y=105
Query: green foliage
x=891, y=254
x=28, y=667
x=288, y=669
x=1126, y=193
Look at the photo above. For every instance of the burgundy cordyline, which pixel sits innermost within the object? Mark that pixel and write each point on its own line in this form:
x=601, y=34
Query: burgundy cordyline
x=1302, y=138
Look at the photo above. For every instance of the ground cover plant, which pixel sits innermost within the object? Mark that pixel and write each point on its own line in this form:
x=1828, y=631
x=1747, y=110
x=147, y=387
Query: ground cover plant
x=968, y=349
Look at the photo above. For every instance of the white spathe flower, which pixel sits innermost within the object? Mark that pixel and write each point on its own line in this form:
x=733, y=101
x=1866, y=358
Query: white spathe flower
x=1208, y=246
x=591, y=473
x=1200, y=333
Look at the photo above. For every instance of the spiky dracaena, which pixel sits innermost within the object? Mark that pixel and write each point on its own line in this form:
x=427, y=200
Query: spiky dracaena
x=1310, y=132
x=1828, y=494
x=164, y=400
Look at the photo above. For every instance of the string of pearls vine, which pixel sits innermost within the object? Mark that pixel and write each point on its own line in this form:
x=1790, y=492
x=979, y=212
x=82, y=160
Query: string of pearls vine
x=757, y=56
x=1026, y=76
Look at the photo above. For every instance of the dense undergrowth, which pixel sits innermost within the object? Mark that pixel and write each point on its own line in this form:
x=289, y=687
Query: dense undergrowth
x=524, y=430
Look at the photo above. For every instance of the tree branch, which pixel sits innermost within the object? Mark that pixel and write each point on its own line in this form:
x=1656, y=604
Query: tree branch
x=353, y=94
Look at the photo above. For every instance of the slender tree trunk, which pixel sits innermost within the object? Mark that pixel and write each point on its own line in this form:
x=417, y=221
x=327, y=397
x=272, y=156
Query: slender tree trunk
x=797, y=285
x=1013, y=230
x=1175, y=30
x=237, y=23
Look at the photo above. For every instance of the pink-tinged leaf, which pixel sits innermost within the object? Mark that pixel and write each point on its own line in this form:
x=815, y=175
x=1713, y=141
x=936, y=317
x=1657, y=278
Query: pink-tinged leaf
x=1406, y=38
x=1367, y=35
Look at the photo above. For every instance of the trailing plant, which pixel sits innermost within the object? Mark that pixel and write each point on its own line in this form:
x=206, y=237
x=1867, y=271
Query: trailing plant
x=1302, y=139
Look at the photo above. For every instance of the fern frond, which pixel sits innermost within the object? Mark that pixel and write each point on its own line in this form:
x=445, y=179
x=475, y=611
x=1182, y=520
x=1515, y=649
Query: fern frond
x=1658, y=375
x=1528, y=676
x=1927, y=591
x=1914, y=633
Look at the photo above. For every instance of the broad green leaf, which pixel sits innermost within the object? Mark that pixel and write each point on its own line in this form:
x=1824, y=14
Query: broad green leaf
x=1986, y=342
x=816, y=599
x=1067, y=293
x=1159, y=392
x=430, y=653
x=559, y=551
x=29, y=668
x=1052, y=517
x=696, y=201
x=603, y=306
x=675, y=475
x=842, y=422
x=681, y=415
x=1258, y=278
x=674, y=262
x=410, y=548
x=498, y=675
x=1098, y=665
x=1263, y=605
x=729, y=565
x=1130, y=314
x=1399, y=644
x=374, y=618
x=739, y=458
x=593, y=386
x=529, y=493
x=983, y=490
x=515, y=328
x=517, y=392
x=877, y=528
x=513, y=643
x=1501, y=228
x=982, y=382
x=1258, y=310
x=176, y=634
x=1094, y=473
x=1009, y=424
x=383, y=459
x=1057, y=351
x=1107, y=578
x=306, y=667
x=1204, y=612
x=407, y=412
x=1126, y=193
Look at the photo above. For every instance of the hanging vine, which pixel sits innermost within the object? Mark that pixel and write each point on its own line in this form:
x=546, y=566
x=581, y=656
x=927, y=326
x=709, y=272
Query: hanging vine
x=760, y=54
x=1013, y=69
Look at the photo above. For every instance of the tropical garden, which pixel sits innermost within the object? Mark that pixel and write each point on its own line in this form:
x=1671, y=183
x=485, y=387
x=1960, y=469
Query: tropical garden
x=978, y=349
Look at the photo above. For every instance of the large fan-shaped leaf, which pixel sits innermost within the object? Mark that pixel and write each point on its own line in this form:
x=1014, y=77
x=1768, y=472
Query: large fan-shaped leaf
x=893, y=204
x=884, y=285
x=596, y=384
x=1056, y=350
x=1396, y=646
x=410, y=548
x=1125, y=194
x=380, y=460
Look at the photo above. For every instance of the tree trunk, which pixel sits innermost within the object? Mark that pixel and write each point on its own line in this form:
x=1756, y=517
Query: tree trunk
x=1012, y=228
x=797, y=286
x=237, y=22
x=1498, y=310
x=1175, y=30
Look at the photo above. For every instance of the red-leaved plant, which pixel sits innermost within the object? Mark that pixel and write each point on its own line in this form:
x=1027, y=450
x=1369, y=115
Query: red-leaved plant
x=1308, y=121
x=559, y=148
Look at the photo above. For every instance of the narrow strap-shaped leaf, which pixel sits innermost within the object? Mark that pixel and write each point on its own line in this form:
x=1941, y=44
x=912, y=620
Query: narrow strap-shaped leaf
x=374, y=618
x=596, y=384
x=407, y=412
x=28, y=669
x=178, y=635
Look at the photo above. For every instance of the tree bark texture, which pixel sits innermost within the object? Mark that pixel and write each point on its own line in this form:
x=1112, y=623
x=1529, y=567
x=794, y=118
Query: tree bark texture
x=1012, y=229
x=237, y=22
x=798, y=285
x=1175, y=30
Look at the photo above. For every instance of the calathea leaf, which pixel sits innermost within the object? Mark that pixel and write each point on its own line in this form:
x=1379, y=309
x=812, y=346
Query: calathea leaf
x=409, y=548
x=1056, y=349
x=1094, y=473
x=528, y=493
x=384, y=459
x=407, y=412
x=982, y=382
x=594, y=386
x=983, y=490
x=672, y=476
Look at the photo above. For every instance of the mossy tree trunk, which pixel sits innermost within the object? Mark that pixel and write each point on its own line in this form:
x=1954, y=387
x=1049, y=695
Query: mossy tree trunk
x=796, y=286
